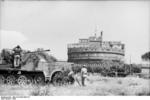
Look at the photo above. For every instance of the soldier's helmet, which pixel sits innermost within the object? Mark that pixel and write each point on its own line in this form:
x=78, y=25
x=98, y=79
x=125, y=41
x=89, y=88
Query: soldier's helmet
x=84, y=66
x=18, y=46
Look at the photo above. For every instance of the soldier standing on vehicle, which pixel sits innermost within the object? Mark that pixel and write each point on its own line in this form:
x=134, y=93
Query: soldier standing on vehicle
x=17, y=56
x=83, y=74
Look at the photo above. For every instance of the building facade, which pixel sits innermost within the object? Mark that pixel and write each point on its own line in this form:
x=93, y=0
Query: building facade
x=93, y=50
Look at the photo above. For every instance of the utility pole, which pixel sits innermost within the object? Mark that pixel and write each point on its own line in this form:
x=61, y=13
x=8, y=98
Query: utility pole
x=130, y=65
x=95, y=31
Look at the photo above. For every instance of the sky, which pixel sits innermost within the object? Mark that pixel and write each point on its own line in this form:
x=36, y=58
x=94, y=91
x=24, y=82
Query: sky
x=54, y=24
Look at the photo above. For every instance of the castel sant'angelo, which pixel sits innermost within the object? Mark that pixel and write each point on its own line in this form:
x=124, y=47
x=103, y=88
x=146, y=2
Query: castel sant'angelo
x=94, y=50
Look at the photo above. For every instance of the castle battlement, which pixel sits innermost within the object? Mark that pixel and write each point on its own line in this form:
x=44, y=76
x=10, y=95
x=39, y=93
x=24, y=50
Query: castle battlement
x=95, y=49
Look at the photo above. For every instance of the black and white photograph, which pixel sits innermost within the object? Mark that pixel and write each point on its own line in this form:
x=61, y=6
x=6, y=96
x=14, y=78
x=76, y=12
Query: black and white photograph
x=74, y=48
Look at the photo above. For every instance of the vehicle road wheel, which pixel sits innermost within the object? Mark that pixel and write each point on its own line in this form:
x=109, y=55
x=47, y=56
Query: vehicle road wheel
x=57, y=79
x=29, y=80
x=39, y=79
x=22, y=80
x=2, y=79
x=10, y=79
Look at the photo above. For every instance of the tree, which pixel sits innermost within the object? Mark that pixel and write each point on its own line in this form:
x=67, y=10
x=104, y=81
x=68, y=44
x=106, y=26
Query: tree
x=7, y=57
x=146, y=56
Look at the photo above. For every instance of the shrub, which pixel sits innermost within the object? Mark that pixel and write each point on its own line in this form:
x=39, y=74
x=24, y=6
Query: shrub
x=106, y=68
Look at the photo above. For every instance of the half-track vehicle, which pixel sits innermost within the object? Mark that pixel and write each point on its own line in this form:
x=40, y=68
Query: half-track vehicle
x=36, y=67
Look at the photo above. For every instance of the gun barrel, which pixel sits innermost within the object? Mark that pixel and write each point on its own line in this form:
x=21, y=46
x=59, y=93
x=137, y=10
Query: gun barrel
x=39, y=51
x=47, y=50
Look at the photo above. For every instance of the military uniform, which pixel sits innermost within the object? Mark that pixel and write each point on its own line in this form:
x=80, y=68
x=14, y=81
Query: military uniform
x=17, y=56
x=83, y=75
x=71, y=77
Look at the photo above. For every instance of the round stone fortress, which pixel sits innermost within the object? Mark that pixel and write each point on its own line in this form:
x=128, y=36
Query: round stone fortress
x=94, y=50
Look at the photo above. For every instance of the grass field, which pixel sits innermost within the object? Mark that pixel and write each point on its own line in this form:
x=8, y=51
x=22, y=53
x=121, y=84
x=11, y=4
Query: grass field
x=96, y=86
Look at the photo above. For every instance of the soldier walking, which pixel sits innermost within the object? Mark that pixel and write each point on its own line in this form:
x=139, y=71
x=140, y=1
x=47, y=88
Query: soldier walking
x=83, y=74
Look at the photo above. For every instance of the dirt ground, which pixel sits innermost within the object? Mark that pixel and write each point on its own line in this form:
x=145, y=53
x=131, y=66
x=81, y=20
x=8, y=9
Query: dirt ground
x=95, y=86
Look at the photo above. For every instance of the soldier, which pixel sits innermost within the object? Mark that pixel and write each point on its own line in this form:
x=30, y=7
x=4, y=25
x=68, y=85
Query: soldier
x=17, y=56
x=73, y=77
x=83, y=74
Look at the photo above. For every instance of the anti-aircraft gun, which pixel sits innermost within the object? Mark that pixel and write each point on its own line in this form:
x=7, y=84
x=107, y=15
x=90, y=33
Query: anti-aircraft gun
x=31, y=70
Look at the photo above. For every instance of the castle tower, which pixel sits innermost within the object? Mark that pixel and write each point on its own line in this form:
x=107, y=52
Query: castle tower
x=94, y=50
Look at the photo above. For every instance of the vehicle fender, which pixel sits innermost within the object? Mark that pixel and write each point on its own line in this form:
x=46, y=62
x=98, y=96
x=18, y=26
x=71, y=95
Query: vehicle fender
x=54, y=71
